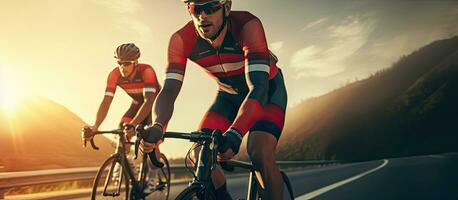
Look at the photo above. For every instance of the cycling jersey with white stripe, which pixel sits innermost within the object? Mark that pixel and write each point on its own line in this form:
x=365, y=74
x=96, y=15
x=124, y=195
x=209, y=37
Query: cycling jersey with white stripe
x=144, y=81
x=243, y=50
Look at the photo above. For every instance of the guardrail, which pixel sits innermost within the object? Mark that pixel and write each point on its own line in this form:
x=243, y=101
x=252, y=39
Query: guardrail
x=18, y=179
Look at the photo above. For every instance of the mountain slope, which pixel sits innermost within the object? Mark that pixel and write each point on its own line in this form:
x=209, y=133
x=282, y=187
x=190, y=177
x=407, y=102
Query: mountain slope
x=407, y=109
x=41, y=134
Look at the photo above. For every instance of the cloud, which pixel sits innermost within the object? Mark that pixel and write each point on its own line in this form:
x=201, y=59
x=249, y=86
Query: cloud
x=125, y=15
x=137, y=27
x=315, y=23
x=341, y=42
x=120, y=6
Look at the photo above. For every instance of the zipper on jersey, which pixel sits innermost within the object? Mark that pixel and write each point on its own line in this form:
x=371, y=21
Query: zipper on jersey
x=224, y=72
x=220, y=62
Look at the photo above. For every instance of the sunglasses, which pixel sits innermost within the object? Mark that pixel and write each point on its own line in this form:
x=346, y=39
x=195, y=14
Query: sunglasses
x=208, y=8
x=125, y=63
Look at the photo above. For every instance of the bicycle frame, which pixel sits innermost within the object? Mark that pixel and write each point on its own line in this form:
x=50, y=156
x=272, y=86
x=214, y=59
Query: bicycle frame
x=120, y=155
x=207, y=162
x=202, y=171
x=255, y=183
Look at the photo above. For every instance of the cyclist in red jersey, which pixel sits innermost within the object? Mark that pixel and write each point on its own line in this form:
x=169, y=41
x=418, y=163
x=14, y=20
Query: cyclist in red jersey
x=231, y=47
x=139, y=81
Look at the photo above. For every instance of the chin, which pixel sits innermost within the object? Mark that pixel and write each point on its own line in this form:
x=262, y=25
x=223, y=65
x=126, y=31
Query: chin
x=206, y=35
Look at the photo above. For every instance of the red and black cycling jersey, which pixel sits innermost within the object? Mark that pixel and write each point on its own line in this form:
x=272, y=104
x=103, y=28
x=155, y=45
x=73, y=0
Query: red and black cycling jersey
x=243, y=51
x=143, y=81
x=227, y=64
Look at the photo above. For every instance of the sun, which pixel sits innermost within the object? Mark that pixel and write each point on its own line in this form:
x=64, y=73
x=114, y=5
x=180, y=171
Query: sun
x=11, y=94
x=8, y=100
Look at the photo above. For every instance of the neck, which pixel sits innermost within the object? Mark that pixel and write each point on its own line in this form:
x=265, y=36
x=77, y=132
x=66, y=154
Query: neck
x=216, y=43
x=131, y=75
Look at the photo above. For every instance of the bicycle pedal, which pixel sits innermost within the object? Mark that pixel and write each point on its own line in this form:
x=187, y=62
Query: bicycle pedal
x=160, y=186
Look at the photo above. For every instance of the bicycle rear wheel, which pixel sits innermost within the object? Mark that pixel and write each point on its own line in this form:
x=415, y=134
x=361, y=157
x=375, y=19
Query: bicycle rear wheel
x=111, y=181
x=162, y=181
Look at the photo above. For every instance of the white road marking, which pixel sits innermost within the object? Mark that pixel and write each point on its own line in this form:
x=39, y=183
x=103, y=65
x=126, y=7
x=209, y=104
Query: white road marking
x=340, y=183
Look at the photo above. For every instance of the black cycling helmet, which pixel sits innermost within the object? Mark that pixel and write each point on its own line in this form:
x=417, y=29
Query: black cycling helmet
x=127, y=52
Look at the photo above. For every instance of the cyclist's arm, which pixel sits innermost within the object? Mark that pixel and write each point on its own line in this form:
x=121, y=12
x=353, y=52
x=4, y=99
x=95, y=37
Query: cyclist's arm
x=150, y=91
x=145, y=109
x=107, y=99
x=175, y=71
x=257, y=72
x=103, y=110
x=163, y=109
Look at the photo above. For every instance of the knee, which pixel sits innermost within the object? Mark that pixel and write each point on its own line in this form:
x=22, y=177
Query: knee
x=260, y=158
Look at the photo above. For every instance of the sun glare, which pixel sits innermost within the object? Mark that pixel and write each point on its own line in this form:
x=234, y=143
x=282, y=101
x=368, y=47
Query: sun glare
x=11, y=93
x=8, y=101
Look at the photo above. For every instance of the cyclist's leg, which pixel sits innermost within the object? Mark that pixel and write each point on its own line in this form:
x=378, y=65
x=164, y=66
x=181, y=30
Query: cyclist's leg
x=264, y=135
x=126, y=118
x=153, y=170
x=261, y=148
x=220, y=116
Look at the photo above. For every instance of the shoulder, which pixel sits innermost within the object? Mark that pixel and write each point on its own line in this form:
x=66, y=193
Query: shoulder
x=142, y=67
x=240, y=18
x=187, y=32
x=115, y=72
x=184, y=39
x=113, y=77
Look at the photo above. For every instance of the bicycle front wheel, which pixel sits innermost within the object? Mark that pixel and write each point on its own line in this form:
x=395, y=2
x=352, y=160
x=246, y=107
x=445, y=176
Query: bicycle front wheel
x=193, y=192
x=111, y=181
x=196, y=192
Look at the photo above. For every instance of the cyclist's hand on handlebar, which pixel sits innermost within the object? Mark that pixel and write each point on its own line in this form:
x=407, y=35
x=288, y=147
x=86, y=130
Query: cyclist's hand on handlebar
x=129, y=130
x=149, y=147
x=87, y=132
x=231, y=144
x=154, y=135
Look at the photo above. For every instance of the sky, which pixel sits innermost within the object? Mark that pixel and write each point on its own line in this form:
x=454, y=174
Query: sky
x=63, y=49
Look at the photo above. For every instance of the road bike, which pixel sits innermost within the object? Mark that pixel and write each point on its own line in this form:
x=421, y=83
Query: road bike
x=117, y=178
x=201, y=186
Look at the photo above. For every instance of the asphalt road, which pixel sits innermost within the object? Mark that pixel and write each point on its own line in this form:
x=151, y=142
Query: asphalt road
x=422, y=177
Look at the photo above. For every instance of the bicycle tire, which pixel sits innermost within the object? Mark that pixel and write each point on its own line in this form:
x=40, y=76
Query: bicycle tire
x=103, y=174
x=288, y=184
x=195, y=191
x=189, y=193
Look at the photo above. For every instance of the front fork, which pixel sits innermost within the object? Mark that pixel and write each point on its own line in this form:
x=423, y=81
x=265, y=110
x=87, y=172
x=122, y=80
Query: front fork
x=202, y=171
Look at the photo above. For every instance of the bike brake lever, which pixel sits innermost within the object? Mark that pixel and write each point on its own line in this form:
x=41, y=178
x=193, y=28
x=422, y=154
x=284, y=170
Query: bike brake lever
x=214, y=155
x=137, y=144
x=84, y=133
x=216, y=141
x=93, y=144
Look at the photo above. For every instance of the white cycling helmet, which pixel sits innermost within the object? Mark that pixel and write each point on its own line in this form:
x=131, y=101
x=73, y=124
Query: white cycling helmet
x=201, y=2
